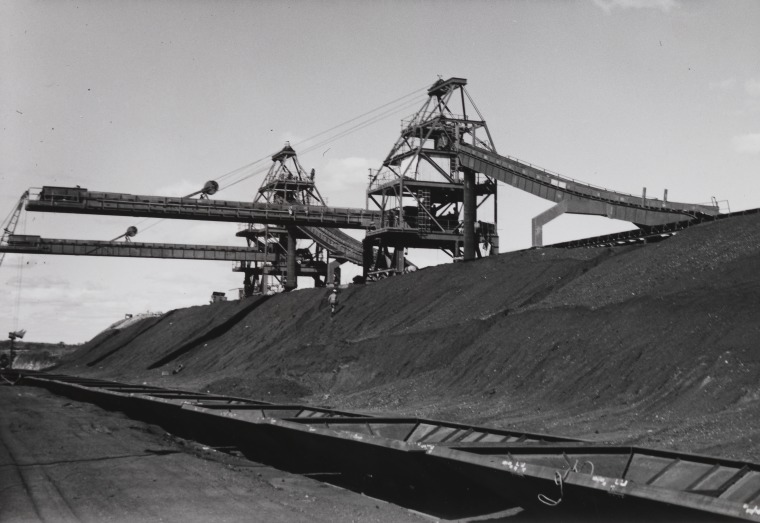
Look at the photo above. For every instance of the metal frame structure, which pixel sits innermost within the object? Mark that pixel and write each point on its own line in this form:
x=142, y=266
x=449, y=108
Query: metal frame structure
x=286, y=183
x=576, y=197
x=78, y=200
x=9, y=227
x=32, y=244
x=427, y=198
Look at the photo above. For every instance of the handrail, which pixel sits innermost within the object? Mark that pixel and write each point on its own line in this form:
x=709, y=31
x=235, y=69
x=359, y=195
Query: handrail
x=554, y=174
x=636, y=201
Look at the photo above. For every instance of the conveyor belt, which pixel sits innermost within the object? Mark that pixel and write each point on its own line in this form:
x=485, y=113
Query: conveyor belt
x=581, y=198
x=81, y=201
x=29, y=244
x=340, y=244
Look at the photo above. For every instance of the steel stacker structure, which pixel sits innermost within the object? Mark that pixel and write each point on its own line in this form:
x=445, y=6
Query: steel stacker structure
x=286, y=183
x=427, y=198
x=306, y=250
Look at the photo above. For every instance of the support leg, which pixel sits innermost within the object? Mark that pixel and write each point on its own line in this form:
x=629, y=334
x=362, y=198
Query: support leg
x=470, y=211
x=291, y=282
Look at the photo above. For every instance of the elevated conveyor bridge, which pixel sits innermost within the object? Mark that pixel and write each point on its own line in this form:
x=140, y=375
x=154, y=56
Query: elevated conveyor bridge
x=29, y=244
x=577, y=197
x=81, y=201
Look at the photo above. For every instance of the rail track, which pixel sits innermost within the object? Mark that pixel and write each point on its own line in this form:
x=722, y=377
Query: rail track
x=441, y=468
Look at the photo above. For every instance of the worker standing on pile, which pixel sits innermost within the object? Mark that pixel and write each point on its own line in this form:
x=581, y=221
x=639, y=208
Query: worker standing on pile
x=333, y=301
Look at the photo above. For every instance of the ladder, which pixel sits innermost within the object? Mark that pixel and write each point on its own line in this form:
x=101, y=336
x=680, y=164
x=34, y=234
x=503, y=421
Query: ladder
x=423, y=210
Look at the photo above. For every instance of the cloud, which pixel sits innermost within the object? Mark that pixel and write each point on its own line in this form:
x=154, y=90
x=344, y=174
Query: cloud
x=747, y=143
x=752, y=86
x=73, y=298
x=343, y=181
x=750, y=94
x=753, y=105
x=722, y=85
x=663, y=5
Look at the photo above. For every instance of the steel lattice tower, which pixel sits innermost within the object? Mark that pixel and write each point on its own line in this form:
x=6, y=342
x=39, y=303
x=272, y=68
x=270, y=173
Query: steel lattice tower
x=286, y=183
x=427, y=198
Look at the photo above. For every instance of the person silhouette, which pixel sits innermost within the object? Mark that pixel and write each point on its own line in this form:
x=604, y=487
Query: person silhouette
x=332, y=299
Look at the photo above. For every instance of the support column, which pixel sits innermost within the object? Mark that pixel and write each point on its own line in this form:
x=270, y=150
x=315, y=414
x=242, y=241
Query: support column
x=545, y=217
x=495, y=237
x=291, y=282
x=368, y=257
x=334, y=264
x=247, y=284
x=470, y=212
x=398, y=259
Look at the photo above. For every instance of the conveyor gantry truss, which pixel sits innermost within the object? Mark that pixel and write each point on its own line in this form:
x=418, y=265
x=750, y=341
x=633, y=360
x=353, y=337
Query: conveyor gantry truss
x=79, y=200
x=32, y=244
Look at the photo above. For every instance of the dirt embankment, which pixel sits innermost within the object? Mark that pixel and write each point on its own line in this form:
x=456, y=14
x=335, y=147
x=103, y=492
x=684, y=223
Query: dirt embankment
x=655, y=344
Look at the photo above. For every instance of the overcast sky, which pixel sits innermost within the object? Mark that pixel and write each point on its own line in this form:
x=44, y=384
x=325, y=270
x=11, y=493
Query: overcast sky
x=156, y=97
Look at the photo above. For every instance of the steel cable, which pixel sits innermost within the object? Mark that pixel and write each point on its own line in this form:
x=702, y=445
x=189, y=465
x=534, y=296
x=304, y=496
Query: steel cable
x=337, y=136
x=346, y=122
x=20, y=275
x=395, y=107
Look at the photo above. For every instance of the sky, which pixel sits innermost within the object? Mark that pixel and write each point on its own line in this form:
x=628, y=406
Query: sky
x=156, y=97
